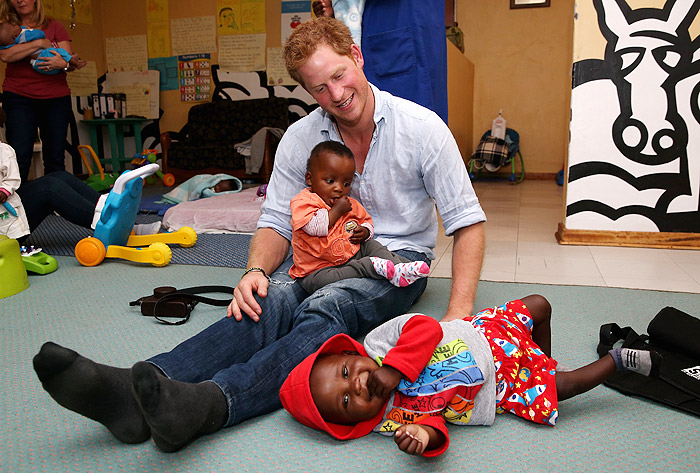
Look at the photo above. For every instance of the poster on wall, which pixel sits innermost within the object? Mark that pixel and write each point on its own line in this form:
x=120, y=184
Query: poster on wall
x=242, y=53
x=126, y=53
x=294, y=13
x=193, y=35
x=276, y=70
x=194, y=71
x=240, y=17
x=158, y=26
x=634, y=152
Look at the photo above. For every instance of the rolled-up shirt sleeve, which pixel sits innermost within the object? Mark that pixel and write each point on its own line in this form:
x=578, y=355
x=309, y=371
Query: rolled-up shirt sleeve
x=446, y=179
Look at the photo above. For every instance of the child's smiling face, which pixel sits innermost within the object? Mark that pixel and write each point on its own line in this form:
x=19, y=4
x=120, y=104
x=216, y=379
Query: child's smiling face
x=339, y=388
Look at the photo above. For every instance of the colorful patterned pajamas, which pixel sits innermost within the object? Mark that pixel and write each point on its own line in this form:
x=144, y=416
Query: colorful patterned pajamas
x=525, y=376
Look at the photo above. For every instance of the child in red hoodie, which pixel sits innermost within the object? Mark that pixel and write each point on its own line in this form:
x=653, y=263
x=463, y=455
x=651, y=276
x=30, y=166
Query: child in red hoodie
x=414, y=373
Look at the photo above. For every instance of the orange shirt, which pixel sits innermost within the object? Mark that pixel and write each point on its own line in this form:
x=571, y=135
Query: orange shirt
x=315, y=252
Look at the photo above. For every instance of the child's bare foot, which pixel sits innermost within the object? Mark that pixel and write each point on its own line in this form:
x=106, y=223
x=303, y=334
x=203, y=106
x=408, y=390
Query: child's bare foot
x=99, y=392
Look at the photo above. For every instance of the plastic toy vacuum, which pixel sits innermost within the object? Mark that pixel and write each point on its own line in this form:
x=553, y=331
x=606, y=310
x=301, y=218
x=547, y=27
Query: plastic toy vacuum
x=113, y=238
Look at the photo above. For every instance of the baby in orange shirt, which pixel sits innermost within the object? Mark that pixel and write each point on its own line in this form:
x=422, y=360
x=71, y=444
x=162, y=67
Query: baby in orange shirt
x=332, y=233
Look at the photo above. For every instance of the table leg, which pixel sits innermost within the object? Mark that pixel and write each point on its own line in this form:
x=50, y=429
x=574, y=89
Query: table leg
x=113, y=146
x=137, y=137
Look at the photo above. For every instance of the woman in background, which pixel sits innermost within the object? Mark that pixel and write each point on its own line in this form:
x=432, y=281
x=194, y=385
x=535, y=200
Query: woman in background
x=33, y=100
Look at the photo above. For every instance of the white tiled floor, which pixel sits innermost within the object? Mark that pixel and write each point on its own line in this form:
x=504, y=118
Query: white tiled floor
x=521, y=247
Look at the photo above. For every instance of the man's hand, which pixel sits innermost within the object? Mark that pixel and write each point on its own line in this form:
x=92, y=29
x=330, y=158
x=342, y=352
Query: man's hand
x=412, y=438
x=359, y=234
x=243, y=300
x=322, y=8
x=382, y=380
x=268, y=249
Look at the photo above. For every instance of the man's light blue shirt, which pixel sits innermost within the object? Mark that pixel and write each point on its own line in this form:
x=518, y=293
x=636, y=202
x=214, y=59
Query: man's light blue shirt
x=413, y=165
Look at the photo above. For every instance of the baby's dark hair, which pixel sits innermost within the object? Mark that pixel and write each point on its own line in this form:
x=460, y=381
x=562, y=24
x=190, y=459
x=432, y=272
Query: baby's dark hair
x=333, y=147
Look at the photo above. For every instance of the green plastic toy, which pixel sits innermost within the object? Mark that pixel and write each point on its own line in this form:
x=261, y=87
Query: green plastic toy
x=40, y=263
x=100, y=182
x=13, y=276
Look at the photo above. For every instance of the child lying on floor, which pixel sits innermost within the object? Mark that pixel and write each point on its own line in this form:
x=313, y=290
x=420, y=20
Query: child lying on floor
x=201, y=186
x=414, y=373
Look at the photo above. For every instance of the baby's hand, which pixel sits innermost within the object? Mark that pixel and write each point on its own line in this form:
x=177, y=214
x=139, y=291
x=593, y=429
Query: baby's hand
x=342, y=205
x=3, y=197
x=382, y=380
x=359, y=234
x=322, y=8
x=412, y=439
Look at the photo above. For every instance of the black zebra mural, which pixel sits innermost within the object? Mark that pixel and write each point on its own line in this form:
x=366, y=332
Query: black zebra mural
x=634, y=156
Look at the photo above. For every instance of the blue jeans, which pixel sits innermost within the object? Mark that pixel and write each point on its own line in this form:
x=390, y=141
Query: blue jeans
x=249, y=361
x=50, y=116
x=59, y=192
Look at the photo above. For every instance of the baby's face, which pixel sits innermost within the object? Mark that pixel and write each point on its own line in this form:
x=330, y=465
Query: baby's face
x=330, y=177
x=223, y=186
x=339, y=388
x=8, y=33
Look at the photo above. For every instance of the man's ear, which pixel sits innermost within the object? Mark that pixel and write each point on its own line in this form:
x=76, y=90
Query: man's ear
x=356, y=54
x=351, y=352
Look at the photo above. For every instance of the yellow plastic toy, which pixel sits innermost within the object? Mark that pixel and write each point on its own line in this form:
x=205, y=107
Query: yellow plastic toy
x=113, y=236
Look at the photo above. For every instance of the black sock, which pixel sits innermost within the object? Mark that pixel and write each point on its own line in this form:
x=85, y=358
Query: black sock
x=177, y=412
x=99, y=392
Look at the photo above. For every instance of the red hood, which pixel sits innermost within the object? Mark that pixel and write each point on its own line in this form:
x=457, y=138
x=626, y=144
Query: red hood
x=296, y=393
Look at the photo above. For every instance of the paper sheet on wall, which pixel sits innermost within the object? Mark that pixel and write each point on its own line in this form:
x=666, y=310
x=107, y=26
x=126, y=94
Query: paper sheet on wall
x=242, y=53
x=83, y=81
x=167, y=66
x=127, y=53
x=193, y=35
x=158, y=28
x=121, y=81
x=240, y=17
x=294, y=13
x=138, y=98
x=157, y=10
x=276, y=70
x=158, y=39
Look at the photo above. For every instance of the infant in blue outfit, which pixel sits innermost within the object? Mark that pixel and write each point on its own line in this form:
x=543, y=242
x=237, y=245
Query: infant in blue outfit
x=14, y=34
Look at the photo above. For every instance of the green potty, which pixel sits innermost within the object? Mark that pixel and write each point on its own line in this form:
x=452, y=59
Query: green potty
x=13, y=275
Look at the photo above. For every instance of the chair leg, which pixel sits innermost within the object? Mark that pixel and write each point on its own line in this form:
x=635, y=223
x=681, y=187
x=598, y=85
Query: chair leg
x=522, y=168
